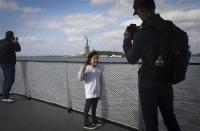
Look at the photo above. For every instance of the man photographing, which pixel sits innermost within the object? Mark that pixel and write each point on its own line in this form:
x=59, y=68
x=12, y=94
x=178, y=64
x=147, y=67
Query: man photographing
x=8, y=48
x=149, y=42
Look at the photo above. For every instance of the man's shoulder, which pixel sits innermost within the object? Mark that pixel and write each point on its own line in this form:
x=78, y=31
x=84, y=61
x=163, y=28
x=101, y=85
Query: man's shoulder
x=143, y=33
x=4, y=41
x=1, y=40
x=157, y=27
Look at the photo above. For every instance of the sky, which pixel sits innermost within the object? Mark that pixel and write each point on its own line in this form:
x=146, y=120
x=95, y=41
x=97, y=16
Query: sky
x=57, y=27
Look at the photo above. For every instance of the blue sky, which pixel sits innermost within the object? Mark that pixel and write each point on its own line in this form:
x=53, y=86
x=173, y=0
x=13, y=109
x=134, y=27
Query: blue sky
x=56, y=27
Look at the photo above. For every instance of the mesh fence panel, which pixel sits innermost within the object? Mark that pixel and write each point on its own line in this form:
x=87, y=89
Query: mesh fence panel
x=119, y=94
x=48, y=82
x=20, y=79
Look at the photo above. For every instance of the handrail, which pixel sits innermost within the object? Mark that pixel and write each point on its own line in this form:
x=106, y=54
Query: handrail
x=112, y=60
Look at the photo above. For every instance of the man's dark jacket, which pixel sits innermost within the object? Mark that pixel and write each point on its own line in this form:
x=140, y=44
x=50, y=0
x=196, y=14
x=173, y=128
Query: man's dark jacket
x=139, y=48
x=7, y=51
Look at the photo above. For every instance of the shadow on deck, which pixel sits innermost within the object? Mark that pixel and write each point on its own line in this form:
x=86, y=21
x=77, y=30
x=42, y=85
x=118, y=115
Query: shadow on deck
x=33, y=115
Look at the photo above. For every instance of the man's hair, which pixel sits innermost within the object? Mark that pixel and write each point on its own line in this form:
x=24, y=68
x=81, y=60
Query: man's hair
x=9, y=34
x=149, y=4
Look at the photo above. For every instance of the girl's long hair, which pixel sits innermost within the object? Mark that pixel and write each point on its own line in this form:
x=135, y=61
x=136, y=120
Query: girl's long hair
x=90, y=55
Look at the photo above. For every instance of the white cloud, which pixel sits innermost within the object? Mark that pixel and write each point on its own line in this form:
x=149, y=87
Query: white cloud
x=74, y=26
x=32, y=45
x=28, y=10
x=117, y=7
x=122, y=8
x=113, y=35
x=186, y=18
x=100, y=2
x=136, y=21
x=29, y=39
x=49, y=24
x=111, y=41
x=82, y=23
x=10, y=5
x=105, y=32
x=185, y=14
x=86, y=23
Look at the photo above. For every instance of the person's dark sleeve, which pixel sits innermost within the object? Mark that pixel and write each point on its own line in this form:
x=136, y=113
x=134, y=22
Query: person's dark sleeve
x=133, y=52
x=16, y=46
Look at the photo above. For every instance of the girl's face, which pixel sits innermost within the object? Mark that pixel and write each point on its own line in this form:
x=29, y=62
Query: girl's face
x=94, y=60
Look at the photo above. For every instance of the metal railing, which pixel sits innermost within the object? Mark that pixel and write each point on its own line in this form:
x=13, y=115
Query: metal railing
x=56, y=81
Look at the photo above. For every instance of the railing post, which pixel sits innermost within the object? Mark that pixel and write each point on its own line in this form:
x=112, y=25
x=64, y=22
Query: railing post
x=69, y=101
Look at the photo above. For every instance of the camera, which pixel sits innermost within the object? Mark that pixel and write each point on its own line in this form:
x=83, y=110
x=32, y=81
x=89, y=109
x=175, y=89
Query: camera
x=132, y=29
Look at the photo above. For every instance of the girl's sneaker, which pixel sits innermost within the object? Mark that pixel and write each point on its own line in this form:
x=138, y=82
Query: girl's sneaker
x=8, y=100
x=97, y=123
x=90, y=126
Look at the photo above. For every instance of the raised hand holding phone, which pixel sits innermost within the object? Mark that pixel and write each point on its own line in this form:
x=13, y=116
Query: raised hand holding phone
x=14, y=39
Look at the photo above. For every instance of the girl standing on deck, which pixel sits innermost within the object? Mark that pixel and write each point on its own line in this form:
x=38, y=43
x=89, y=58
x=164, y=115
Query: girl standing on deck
x=91, y=74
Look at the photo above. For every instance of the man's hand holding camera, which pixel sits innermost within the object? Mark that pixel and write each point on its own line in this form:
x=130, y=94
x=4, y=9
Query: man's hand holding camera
x=14, y=40
x=130, y=31
x=127, y=35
